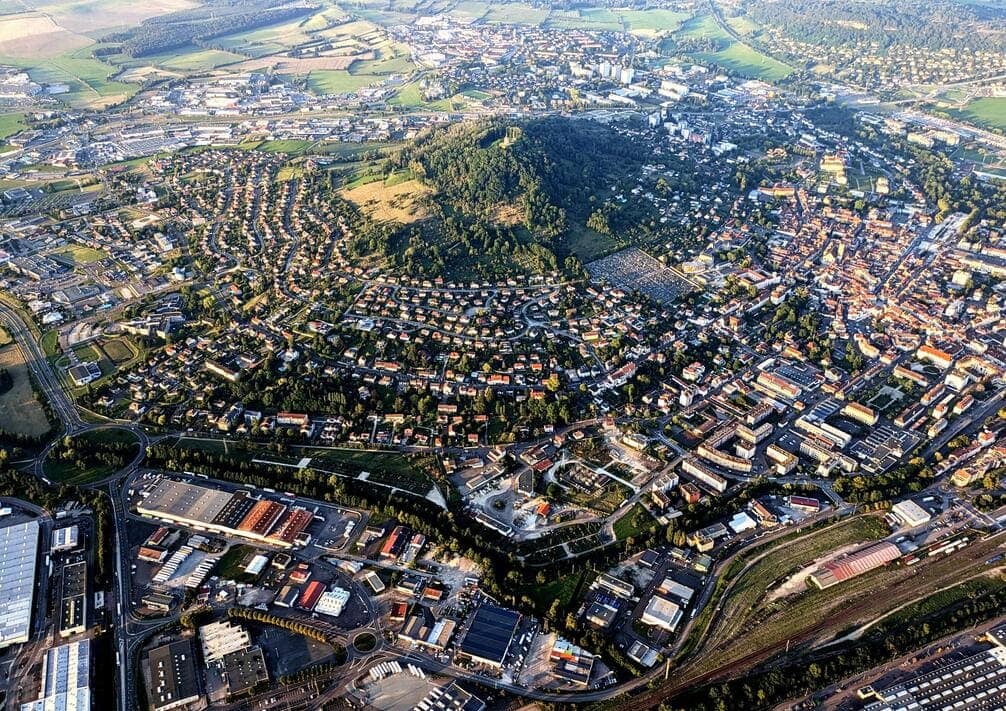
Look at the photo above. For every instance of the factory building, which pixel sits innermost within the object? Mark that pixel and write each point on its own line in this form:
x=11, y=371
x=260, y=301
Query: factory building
x=862, y=561
x=233, y=514
x=18, y=556
x=66, y=678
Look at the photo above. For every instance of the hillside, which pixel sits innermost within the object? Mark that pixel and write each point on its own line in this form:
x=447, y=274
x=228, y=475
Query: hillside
x=505, y=197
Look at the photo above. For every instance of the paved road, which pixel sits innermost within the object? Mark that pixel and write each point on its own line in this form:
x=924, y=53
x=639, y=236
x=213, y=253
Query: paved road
x=46, y=380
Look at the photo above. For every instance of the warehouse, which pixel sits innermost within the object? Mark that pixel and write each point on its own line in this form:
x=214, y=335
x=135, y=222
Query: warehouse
x=18, y=555
x=221, y=638
x=65, y=539
x=174, y=681
x=234, y=514
x=490, y=635
x=910, y=513
x=184, y=503
x=976, y=682
x=66, y=676
x=862, y=561
x=661, y=612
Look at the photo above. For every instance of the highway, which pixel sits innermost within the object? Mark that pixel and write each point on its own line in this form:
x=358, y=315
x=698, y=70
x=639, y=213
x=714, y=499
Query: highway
x=42, y=374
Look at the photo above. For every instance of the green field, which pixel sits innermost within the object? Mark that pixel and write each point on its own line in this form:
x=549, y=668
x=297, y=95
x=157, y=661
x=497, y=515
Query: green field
x=746, y=62
x=635, y=521
x=79, y=254
x=118, y=350
x=190, y=59
x=516, y=14
x=88, y=79
x=10, y=124
x=732, y=55
x=337, y=81
x=70, y=472
x=231, y=565
x=989, y=112
x=703, y=27
x=652, y=21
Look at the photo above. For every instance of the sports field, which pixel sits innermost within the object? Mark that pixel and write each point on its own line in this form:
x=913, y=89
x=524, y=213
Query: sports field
x=989, y=112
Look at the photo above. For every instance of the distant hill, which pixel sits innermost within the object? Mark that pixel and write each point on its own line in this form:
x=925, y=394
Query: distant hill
x=508, y=196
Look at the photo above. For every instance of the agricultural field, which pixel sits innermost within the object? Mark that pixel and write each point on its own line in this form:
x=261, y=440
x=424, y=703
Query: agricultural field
x=732, y=55
x=88, y=80
x=516, y=14
x=189, y=59
x=988, y=112
x=338, y=82
x=54, y=41
x=20, y=411
x=652, y=22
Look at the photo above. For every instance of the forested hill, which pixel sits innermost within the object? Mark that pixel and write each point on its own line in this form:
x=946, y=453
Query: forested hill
x=546, y=168
x=510, y=195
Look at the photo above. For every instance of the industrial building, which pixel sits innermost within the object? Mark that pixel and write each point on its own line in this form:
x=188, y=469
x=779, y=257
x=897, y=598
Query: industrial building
x=228, y=646
x=451, y=698
x=661, y=612
x=570, y=663
x=65, y=539
x=18, y=557
x=66, y=675
x=862, y=561
x=332, y=602
x=73, y=599
x=975, y=683
x=219, y=639
x=234, y=514
x=910, y=513
x=490, y=635
x=174, y=681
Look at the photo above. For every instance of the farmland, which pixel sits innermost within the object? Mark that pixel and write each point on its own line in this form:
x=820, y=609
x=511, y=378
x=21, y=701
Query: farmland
x=732, y=55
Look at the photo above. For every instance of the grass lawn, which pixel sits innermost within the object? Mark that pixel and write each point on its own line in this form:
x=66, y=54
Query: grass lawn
x=733, y=55
x=192, y=59
x=291, y=146
x=336, y=81
x=50, y=344
x=67, y=472
x=743, y=60
x=408, y=95
x=118, y=350
x=10, y=124
x=516, y=14
x=231, y=565
x=20, y=411
x=566, y=589
x=650, y=22
x=79, y=254
x=635, y=521
x=989, y=112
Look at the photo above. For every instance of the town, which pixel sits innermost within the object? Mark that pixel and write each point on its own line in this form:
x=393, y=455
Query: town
x=499, y=359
